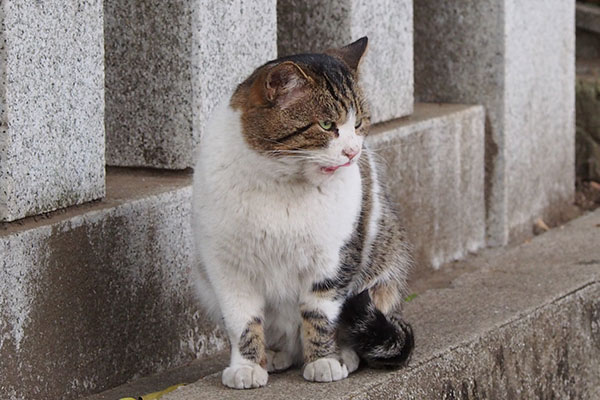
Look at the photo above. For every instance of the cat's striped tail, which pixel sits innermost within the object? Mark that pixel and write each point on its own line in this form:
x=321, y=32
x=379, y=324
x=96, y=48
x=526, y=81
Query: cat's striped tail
x=382, y=341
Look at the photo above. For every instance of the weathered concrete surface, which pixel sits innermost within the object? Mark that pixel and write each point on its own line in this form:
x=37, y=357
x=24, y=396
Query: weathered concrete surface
x=433, y=166
x=525, y=326
x=98, y=294
x=387, y=70
x=505, y=55
x=51, y=105
x=168, y=64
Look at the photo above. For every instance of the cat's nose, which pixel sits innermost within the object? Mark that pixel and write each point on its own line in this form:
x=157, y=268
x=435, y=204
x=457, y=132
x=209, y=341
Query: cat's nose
x=350, y=153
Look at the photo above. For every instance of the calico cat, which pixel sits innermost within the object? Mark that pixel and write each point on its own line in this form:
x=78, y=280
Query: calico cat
x=300, y=256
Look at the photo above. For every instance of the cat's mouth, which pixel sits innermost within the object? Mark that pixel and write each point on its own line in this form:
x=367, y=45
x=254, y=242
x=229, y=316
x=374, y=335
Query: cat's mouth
x=331, y=170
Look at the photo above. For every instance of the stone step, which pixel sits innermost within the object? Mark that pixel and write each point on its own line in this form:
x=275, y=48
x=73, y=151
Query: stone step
x=96, y=295
x=513, y=323
x=433, y=164
x=93, y=295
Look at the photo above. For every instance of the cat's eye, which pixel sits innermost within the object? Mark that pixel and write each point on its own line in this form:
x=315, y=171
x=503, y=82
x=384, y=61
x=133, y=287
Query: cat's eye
x=358, y=124
x=326, y=125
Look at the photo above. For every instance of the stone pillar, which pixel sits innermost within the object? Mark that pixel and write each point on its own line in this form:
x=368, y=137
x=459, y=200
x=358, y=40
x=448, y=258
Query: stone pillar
x=168, y=63
x=51, y=105
x=517, y=59
x=387, y=71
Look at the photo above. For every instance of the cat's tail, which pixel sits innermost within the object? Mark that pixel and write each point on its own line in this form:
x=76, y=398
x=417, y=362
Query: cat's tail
x=382, y=341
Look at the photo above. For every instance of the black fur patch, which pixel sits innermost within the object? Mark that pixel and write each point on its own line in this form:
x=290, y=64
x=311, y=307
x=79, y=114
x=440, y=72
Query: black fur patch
x=383, y=342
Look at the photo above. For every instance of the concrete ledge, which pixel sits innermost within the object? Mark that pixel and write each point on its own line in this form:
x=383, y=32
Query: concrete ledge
x=526, y=325
x=433, y=165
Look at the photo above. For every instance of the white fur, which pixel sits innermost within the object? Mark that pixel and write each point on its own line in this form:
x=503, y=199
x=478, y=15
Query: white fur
x=348, y=139
x=325, y=370
x=266, y=229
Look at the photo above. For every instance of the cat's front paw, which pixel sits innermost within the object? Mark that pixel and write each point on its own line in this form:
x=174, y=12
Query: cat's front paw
x=244, y=376
x=325, y=370
x=278, y=361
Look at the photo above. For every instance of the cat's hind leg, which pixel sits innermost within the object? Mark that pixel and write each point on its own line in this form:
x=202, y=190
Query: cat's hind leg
x=283, y=336
x=279, y=361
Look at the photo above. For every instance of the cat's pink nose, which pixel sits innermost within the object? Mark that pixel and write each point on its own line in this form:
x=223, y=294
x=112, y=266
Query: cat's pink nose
x=350, y=153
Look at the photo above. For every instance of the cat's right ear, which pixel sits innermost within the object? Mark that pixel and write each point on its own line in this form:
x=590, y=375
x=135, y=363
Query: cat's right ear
x=286, y=83
x=353, y=53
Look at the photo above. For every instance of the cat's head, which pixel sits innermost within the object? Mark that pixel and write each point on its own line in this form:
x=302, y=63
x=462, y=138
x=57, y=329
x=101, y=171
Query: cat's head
x=307, y=110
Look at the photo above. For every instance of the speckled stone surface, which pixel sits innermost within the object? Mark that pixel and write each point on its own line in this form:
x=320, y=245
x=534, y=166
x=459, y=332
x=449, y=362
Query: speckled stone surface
x=387, y=71
x=168, y=64
x=51, y=105
x=506, y=55
x=95, y=295
x=432, y=164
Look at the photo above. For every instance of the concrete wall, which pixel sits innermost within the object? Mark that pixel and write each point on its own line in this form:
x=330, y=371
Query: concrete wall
x=506, y=55
x=387, y=71
x=432, y=165
x=51, y=105
x=168, y=64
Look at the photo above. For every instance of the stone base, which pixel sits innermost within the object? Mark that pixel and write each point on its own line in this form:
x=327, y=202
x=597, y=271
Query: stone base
x=97, y=294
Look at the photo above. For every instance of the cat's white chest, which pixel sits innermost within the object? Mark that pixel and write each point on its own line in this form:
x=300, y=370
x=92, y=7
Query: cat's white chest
x=283, y=233
x=284, y=236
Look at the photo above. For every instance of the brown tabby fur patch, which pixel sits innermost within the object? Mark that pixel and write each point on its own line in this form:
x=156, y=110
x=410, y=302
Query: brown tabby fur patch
x=319, y=335
x=252, y=343
x=282, y=102
x=386, y=296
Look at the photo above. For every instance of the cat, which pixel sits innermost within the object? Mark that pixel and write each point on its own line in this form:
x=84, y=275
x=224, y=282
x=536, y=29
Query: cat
x=300, y=256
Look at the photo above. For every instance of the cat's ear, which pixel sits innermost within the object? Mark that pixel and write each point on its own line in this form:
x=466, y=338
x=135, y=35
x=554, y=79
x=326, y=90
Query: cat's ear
x=353, y=53
x=286, y=83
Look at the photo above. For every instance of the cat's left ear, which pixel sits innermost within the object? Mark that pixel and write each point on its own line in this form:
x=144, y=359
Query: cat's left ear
x=286, y=83
x=353, y=53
